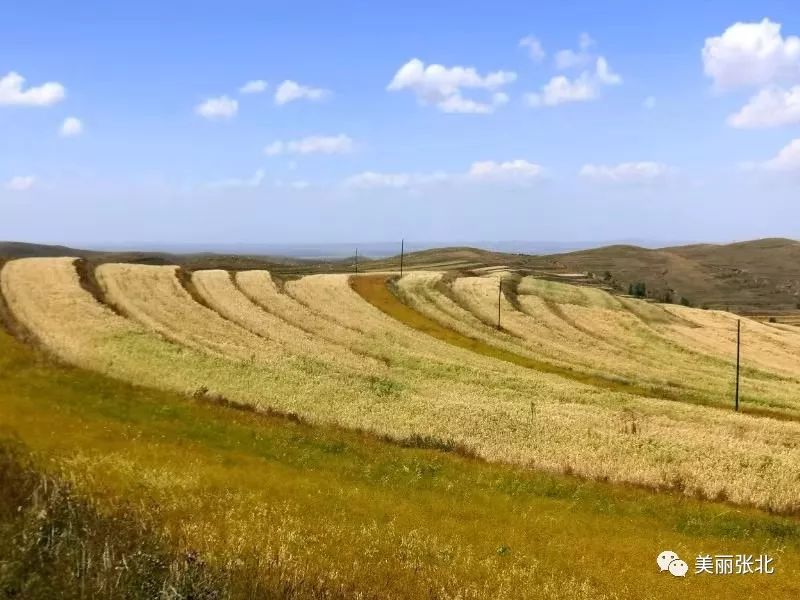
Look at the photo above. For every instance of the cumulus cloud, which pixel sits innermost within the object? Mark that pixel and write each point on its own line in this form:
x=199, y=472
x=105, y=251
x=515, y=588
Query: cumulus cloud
x=787, y=160
x=251, y=182
x=649, y=103
x=771, y=107
x=628, y=172
x=518, y=172
x=534, y=46
x=13, y=92
x=255, y=86
x=751, y=54
x=218, y=108
x=20, y=183
x=443, y=86
x=71, y=127
x=315, y=144
x=560, y=89
x=290, y=91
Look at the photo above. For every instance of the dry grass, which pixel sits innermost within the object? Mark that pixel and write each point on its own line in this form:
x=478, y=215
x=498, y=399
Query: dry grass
x=431, y=389
x=635, y=342
x=278, y=509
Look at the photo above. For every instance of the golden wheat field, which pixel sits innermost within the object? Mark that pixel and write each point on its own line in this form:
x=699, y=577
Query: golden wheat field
x=616, y=389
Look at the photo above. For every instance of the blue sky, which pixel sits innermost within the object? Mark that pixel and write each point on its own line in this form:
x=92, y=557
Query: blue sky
x=614, y=124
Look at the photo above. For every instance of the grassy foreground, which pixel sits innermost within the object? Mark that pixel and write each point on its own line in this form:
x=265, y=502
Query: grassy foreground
x=276, y=508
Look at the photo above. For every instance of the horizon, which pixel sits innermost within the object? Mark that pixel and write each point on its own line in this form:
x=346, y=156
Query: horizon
x=378, y=250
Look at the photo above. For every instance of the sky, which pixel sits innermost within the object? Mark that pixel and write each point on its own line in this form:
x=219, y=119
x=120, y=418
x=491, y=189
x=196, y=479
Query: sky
x=318, y=122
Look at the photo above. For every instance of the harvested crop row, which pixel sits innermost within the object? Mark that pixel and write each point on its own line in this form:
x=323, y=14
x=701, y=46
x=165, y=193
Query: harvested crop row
x=220, y=293
x=511, y=414
x=715, y=332
x=536, y=352
x=259, y=287
x=46, y=296
x=618, y=341
x=153, y=296
x=559, y=422
x=540, y=329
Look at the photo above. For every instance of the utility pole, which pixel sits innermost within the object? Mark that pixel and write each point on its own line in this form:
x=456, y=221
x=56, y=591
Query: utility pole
x=738, y=343
x=356, y=260
x=402, y=250
x=499, y=294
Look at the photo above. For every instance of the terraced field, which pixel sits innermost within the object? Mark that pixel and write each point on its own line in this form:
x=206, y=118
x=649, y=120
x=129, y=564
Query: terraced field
x=576, y=381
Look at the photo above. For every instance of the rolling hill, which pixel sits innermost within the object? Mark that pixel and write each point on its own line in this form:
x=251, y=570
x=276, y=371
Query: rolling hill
x=753, y=277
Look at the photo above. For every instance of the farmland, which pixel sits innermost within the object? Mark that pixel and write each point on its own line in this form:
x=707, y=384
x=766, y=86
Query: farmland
x=326, y=421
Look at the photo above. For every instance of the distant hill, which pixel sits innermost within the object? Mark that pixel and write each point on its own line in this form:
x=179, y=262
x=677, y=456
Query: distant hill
x=746, y=276
x=755, y=276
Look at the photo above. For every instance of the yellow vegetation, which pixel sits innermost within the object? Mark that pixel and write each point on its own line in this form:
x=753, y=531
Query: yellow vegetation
x=422, y=385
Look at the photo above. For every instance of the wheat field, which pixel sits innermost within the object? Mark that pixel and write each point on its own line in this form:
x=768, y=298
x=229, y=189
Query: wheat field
x=317, y=348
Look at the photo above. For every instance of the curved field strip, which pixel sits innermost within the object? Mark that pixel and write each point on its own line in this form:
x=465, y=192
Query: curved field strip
x=260, y=288
x=541, y=328
x=502, y=412
x=629, y=338
x=762, y=345
x=465, y=329
x=153, y=296
x=703, y=371
x=218, y=291
x=45, y=295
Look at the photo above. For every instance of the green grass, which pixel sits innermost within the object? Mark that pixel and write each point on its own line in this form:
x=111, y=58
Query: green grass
x=302, y=511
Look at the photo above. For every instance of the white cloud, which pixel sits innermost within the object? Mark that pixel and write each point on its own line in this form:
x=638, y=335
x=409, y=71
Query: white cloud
x=443, y=87
x=252, y=182
x=787, y=160
x=585, y=41
x=289, y=91
x=649, y=103
x=534, y=46
x=628, y=172
x=256, y=86
x=459, y=104
x=513, y=170
x=72, y=126
x=218, y=108
x=751, y=54
x=771, y=107
x=604, y=73
x=315, y=144
x=568, y=59
x=371, y=179
x=20, y=183
x=13, y=92
x=586, y=86
x=518, y=172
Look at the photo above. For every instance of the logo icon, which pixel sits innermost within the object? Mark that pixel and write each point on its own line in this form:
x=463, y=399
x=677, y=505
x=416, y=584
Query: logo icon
x=669, y=561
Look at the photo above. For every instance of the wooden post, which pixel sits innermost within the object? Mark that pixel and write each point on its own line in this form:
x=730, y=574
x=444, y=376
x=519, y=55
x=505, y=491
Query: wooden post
x=402, y=250
x=499, y=294
x=738, y=343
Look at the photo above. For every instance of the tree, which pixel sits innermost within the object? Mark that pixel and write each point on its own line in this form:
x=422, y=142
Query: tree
x=638, y=289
